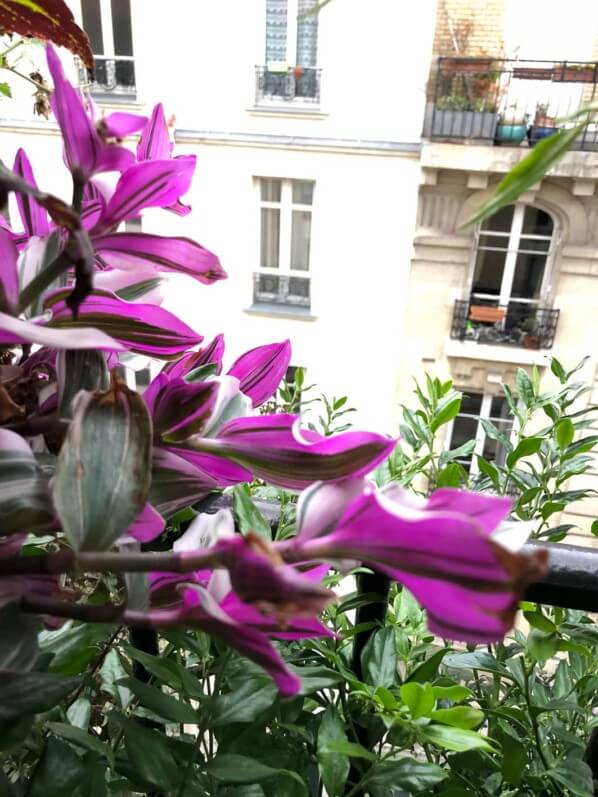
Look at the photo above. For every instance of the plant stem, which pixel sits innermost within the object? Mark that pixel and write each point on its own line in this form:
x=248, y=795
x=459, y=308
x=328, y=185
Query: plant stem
x=533, y=718
x=41, y=281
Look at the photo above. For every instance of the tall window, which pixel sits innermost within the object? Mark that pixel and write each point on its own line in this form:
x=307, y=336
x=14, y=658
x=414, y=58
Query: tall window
x=512, y=256
x=291, y=52
x=285, y=239
x=108, y=25
x=469, y=425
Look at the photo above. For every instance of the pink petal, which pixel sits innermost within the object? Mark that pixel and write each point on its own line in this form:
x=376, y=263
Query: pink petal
x=261, y=370
x=148, y=525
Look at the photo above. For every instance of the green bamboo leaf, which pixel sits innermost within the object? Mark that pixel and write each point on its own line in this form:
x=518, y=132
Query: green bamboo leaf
x=564, y=432
x=526, y=448
x=456, y=739
x=159, y=702
x=248, y=515
x=103, y=473
x=334, y=766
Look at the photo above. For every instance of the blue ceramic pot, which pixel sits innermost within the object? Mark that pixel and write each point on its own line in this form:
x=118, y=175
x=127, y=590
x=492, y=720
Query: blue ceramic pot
x=537, y=133
x=511, y=134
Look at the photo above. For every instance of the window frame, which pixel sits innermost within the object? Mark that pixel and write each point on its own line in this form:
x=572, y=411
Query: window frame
x=480, y=435
x=286, y=207
x=513, y=239
x=109, y=50
x=291, y=42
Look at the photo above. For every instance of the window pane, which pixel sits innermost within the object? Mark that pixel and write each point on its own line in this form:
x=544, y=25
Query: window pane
x=499, y=408
x=471, y=404
x=298, y=286
x=307, y=34
x=303, y=192
x=493, y=451
x=494, y=241
x=270, y=190
x=501, y=221
x=300, y=240
x=527, y=281
x=276, y=30
x=488, y=272
x=270, y=238
x=535, y=244
x=464, y=430
x=92, y=23
x=537, y=222
x=121, y=27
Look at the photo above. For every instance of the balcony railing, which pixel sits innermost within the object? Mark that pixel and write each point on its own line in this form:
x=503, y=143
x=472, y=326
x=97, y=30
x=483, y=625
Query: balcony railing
x=509, y=103
x=110, y=75
x=282, y=289
x=515, y=324
x=300, y=84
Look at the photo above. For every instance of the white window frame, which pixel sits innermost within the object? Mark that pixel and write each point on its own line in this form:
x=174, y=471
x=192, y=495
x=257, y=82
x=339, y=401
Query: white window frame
x=286, y=206
x=108, y=39
x=291, y=48
x=480, y=436
x=513, y=249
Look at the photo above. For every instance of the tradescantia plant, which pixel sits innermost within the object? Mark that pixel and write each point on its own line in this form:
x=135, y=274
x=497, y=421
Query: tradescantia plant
x=98, y=483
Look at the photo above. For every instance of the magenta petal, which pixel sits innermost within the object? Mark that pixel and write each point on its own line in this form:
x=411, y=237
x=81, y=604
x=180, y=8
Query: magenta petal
x=148, y=525
x=82, y=145
x=295, y=628
x=182, y=409
x=176, y=483
x=261, y=370
x=212, y=353
x=321, y=506
x=113, y=158
x=132, y=251
x=201, y=611
x=154, y=143
x=178, y=208
x=143, y=328
x=224, y=474
x=120, y=124
x=9, y=278
x=92, y=211
x=487, y=510
x=114, y=281
x=33, y=216
x=15, y=330
x=276, y=449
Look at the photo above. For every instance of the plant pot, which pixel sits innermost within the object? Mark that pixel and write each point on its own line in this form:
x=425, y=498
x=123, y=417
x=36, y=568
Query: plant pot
x=538, y=132
x=570, y=74
x=464, y=124
x=470, y=65
x=511, y=133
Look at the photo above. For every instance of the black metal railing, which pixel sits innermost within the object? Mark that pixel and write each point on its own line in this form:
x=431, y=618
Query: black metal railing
x=300, y=83
x=507, y=102
x=281, y=289
x=515, y=324
x=110, y=75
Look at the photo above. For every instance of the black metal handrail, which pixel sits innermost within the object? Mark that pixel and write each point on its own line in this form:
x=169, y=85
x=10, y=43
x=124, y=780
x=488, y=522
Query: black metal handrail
x=286, y=289
x=515, y=324
x=509, y=102
x=115, y=75
x=299, y=83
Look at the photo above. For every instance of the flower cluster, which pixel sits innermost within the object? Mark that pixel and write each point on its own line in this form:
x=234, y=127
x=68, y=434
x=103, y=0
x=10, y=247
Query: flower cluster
x=111, y=468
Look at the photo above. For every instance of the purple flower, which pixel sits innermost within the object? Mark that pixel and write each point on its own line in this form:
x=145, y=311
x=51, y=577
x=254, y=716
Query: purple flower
x=441, y=548
x=9, y=278
x=33, y=216
x=275, y=448
x=261, y=370
x=210, y=354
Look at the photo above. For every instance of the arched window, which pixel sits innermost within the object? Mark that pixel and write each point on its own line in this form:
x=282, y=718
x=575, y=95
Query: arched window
x=512, y=257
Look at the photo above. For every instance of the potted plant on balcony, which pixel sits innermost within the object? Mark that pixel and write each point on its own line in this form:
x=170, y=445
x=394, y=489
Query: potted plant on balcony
x=543, y=126
x=457, y=116
x=512, y=127
x=575, y=73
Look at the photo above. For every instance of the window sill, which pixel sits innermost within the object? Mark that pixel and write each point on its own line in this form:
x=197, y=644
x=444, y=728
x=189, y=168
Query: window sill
x=281, y=311
x=288, y=110
x=503, y=354
x=115, y=98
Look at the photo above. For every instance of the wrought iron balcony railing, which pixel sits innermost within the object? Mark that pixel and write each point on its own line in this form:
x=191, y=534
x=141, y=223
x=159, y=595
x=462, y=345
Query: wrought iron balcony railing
x=515, y=324
x=110, y=75
x=300, y=84
x=509, y=103
x=281, y=289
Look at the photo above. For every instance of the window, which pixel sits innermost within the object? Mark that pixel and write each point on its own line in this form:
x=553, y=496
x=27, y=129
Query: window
x=468, y=425
x=509, y=281
x=285, y=240
x=133, y=225
x=108, y=25
x=291, y=52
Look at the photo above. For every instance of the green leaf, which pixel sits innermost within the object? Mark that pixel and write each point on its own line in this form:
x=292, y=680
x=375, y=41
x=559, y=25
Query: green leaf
x=427, y=670
x=419, y=698
x=58, y=772
x=5, y=90
x=149, y=752
x=541, y=646
x=406, y=773
x=540, y=621
x=32, y=692
x=514, y=759
x=551, y=508
x=459, y=716
x=462, y=452
x=103, y=472
x=525, y=388
x=74, y=646
x=244, y=704
x=575, y=775
x=82, y=739
x=455, y=739
x=477, y=661
x=79, y=369
x=248, y=515
x=446, y=413
x=527, y=172
x=350, y=749
x=160, y=703
x=79, y=713
x=333, y=766
x=314, y=679
x=490, y=470
x=456, y=693
x=233, y=768
x=594, y=528
x=18, y=641
x=24, y=496
x=558, y=370
x=526, y=448
x=564, y=432
x=379, y=658
x=135, y=291
x=453, y=475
